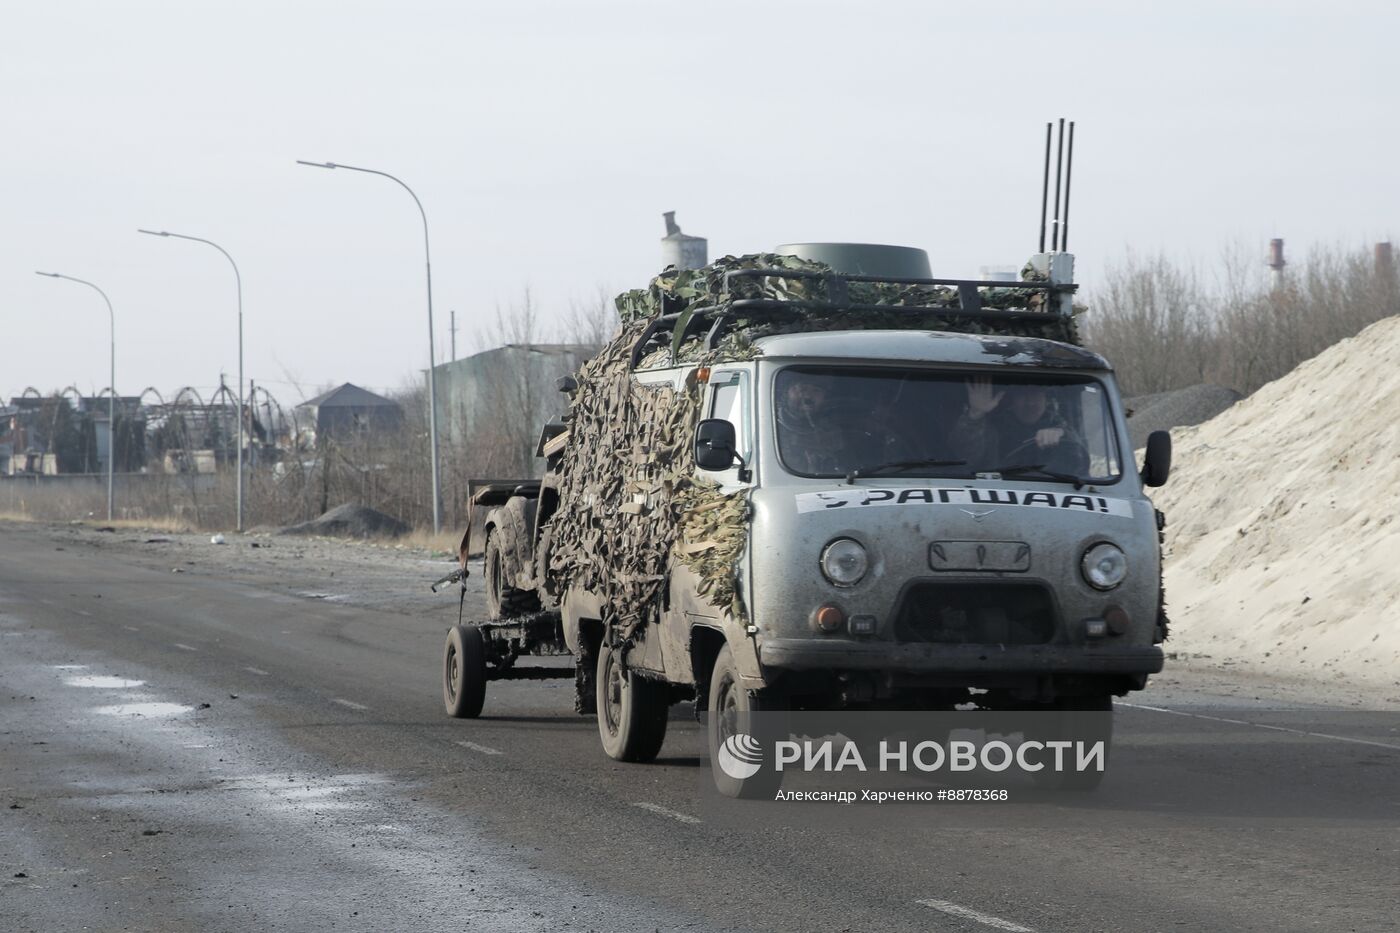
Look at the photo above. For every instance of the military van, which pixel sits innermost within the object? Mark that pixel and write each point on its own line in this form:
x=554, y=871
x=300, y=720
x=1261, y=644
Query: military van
x=820, y=478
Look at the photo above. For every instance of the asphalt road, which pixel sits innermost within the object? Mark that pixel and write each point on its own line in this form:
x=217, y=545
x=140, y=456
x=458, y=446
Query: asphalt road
x=237, y=748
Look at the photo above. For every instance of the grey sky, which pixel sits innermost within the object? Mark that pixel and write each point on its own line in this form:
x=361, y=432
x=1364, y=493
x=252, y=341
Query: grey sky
x=545, y=140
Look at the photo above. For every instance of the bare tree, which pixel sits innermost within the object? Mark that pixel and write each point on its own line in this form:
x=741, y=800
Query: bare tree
x=1152, y=321
x=592, y=321
x=1164, y=331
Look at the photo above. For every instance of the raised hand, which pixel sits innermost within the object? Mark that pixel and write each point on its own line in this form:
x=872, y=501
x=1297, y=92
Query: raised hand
x=981, y=399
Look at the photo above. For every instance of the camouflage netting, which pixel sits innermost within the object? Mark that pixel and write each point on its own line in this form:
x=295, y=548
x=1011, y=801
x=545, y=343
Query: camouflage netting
x=629, y=498
x=690, y=290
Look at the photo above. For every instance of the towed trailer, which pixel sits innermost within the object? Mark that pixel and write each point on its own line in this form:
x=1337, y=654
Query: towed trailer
x=480, y=651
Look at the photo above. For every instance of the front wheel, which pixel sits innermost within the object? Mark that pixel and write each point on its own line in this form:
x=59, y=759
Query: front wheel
x=632, y=710
x=741, y=741
x=464, y=672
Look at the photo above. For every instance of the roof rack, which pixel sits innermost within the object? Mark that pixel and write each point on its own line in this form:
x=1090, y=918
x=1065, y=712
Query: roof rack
x=685, y=322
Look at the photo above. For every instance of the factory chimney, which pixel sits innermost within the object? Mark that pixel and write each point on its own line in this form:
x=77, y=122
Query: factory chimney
x=1276, y=261
x=681, y=250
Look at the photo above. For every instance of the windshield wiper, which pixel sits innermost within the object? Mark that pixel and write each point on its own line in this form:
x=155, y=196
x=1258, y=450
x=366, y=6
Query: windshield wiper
x=854, y=475
x=1017, y=469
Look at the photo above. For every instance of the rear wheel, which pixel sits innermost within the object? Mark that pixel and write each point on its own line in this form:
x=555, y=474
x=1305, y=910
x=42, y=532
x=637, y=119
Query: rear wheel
x=502, y=599
x=464, y=672
x=739, y=740
x=632, y=710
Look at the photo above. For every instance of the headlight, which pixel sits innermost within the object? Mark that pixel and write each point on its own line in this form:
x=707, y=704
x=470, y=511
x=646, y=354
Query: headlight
x=1104, y=566
x=844, y=562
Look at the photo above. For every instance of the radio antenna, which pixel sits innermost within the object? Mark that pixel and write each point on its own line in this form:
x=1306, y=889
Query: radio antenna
x=1045, y=188
x=1069, y=173
x=1059, y=164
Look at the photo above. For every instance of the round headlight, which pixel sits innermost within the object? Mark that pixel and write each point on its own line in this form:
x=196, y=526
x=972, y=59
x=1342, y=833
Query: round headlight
x=1104, y=565
x=844, y=562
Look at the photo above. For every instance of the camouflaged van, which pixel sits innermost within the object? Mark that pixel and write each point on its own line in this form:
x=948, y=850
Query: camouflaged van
x=822, y=479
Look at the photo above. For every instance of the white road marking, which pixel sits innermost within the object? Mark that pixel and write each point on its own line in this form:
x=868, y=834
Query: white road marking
x=1261, y=725
x=667, y=811
x=70, y=667
x=184, y=647
x=83, y=612
x=144, y=709
x=257, y=670
x=131, y=628
x=350, y=703
x=484, y=749
x=102, y=682
x=967, y=913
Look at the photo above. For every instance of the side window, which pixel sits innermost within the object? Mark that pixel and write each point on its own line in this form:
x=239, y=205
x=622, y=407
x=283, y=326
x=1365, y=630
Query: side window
x=729, y=400
x=1096, y=427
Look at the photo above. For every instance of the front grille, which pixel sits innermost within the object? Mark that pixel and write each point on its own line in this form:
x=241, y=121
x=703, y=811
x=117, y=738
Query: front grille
x=976, y=614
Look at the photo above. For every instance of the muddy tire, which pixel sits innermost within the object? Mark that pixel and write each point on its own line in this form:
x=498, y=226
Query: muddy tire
x=632, y=710
x=1076, y=719
x=730, y=710
x=504, y=601
x=464, y=672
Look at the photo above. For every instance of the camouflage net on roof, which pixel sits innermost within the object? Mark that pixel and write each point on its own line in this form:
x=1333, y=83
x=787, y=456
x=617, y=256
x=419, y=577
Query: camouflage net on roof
x=688, y=291
x=630, y=501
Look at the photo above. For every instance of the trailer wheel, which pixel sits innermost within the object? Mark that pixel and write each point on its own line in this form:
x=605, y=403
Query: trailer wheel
x=502, y=599
x=1076, y=719
x=464, y=672
x=632, y=710
x=733, y=730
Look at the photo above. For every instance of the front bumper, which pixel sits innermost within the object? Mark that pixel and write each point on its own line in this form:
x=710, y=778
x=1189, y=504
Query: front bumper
x=808, y=654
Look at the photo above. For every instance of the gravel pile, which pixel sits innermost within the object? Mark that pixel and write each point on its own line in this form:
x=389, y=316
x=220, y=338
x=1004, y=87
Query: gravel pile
x=350, y=520
x=1179, y=408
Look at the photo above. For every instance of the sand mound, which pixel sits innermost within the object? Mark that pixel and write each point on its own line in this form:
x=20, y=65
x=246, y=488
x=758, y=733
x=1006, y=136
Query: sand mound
x=1178, y=408
x=1282, y=537
x=350, y=521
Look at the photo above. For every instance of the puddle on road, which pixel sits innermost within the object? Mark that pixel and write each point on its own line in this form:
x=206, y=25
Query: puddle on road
x=102, y=682
x=151, y=710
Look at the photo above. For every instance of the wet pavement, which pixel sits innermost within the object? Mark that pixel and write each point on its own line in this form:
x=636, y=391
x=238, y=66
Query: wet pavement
x=226, y=749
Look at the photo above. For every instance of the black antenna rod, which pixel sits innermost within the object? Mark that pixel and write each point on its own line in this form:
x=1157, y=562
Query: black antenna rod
x=1059, y=164
x=1069, y=173
x=1044, y=189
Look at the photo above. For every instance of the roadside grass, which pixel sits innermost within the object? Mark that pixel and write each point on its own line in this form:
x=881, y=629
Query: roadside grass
x=444, y=543
x=167, y=525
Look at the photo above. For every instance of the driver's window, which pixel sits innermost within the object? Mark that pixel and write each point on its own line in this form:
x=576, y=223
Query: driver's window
x=729, y=400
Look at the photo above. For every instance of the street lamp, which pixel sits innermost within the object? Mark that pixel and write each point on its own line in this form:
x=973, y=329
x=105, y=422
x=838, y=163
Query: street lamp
x=238, y=279
x=432, y=378
x=112, y=387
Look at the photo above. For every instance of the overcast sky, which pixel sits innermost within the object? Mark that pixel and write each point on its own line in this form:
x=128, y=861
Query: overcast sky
x=546, y=138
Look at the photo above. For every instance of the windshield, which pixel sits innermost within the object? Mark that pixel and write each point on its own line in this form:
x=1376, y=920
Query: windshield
x=838, y=421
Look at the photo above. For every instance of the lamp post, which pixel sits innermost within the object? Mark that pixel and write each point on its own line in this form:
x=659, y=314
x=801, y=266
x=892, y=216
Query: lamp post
x=238, y=279
x=432, y=378
x=112, y=387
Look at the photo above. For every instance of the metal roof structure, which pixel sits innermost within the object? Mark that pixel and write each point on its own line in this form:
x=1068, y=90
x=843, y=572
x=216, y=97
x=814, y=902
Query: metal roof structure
x=349, y=395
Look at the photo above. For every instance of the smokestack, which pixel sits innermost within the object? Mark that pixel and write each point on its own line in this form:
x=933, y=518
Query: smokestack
x=681, y=250
x=1385, y=266
x=1276, y=261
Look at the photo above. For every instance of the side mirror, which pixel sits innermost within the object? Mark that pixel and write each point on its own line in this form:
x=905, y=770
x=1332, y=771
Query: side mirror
x=714, y=444
x=1157, y=462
